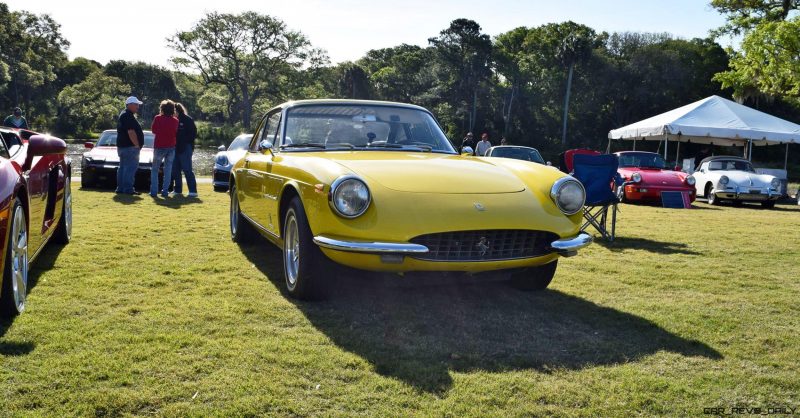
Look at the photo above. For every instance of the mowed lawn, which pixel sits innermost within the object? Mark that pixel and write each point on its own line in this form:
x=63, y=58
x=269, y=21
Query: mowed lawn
x=152, y=310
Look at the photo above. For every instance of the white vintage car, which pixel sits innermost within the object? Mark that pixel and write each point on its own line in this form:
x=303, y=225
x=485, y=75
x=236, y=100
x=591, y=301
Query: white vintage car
x=733, y=178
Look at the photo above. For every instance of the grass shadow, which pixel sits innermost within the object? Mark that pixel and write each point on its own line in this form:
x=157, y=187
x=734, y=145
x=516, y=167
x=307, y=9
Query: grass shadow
x=421, y=334
x=127, y=199
x=653, y=246
x=175, y=202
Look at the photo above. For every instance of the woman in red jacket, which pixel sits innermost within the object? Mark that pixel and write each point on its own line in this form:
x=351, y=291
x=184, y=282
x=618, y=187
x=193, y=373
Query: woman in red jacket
x=165, y=128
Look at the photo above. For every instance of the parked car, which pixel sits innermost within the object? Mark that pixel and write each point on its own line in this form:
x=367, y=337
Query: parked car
x=516, y=152
x=646, y=175
x=100, y=163
x=36, y=207
x=226, y=158
x=377, y=186
x=734, y=178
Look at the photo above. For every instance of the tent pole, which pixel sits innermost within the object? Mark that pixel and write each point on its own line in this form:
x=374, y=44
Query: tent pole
x=666, y=145
x=750, y=151
x=634, y=143
x=786, y=158
x=678, y=154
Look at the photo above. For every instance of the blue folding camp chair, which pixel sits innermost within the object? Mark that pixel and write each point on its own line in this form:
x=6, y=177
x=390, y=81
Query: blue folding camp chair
x=598, y=174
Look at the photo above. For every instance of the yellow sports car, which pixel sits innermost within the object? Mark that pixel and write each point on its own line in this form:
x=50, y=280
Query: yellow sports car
x=377, y=186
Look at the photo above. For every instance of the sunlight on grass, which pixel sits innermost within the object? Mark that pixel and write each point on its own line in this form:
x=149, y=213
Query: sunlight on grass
x=153, y=310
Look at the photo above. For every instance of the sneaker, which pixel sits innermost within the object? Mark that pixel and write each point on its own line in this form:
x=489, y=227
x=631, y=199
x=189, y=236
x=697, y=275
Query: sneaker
x=175, y=194
x=192, y=194
x=164, y=194
x=153, y=195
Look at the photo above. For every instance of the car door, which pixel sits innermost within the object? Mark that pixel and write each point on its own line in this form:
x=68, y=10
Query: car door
x=260, y=198
x=44, y=177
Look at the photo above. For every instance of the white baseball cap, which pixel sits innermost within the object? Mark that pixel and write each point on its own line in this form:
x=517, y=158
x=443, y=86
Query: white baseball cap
x=132, y=99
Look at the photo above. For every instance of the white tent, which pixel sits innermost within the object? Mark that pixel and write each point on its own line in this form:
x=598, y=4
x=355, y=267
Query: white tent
x=715, y=121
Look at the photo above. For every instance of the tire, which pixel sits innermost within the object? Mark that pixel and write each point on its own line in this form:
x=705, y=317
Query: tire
x=220, y=189
x=769, y=204
x=534, y=278
x=712, y=198
x=87, y=180
x=242, y=231
x=15, y=272
x=621, y=194
x=304, y=264
x=63, y=234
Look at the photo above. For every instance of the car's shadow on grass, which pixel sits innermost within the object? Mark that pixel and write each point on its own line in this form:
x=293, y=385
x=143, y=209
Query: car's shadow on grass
x=653, y=246
x=44, y=262
x=420, y=334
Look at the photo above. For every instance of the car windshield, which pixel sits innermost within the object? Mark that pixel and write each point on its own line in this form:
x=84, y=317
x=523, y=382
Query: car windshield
x=363, y=127
x=733, y=165
x=642, y=160
x=109, y=139
x=518, y=153
x=240, y=142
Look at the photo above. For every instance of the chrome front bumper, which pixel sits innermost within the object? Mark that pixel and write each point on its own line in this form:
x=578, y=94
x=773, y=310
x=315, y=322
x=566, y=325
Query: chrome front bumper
x=566, y=247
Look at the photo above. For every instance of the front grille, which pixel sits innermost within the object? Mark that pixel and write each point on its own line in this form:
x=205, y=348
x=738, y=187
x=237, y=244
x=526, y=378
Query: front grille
x=488, y=245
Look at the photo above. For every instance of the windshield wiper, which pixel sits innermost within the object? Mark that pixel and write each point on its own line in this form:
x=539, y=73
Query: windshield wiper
x=306, y=145
x=426, y=148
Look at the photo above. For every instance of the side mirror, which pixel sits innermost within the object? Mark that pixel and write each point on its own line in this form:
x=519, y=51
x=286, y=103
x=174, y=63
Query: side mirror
x=549, y=164
x=88, y=145
x=265, y=145
x=467, y=151
x=221, y=148
x=39, y=145
x=677, y=168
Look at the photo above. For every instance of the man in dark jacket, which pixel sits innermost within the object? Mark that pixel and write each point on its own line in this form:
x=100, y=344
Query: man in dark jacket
x=16, y=120
x=184, y=148
x=130, y=140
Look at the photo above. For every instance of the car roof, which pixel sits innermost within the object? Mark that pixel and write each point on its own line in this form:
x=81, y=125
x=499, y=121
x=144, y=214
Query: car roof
x=513, y=146
x=723, y=157
x=294, y=103
x=114, y=130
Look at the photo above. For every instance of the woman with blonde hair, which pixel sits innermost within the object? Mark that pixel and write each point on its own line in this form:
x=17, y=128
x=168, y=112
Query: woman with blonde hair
x=165, y=129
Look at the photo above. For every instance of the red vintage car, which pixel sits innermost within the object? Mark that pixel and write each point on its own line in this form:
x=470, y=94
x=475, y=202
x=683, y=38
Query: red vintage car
x=35, y=207
x=646, y=175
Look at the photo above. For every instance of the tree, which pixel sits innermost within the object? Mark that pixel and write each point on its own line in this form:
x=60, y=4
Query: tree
x=91, y=105
x=744, y=15
x=76, y=71
x=249, y=54
x=150, y=83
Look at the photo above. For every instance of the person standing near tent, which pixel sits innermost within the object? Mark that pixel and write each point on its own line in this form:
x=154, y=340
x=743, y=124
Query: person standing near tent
x=483, y=145
x=704, y=153
x=16, y=120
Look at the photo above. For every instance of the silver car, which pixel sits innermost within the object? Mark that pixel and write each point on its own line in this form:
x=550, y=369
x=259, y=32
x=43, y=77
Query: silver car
x=226, y=158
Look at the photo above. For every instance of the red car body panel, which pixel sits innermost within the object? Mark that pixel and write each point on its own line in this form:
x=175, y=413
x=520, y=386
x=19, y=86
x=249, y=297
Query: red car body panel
x=654, y=182
x=40, y=187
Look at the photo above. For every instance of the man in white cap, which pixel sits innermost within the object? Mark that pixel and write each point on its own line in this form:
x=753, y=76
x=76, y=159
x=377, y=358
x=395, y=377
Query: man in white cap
x=130, y=140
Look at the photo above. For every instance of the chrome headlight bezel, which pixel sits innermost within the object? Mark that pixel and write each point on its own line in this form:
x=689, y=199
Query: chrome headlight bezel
x=723, y=180
x=636, y=177
x=557, y=189
x=337, y=187
x=690, y=180
x=775, y=183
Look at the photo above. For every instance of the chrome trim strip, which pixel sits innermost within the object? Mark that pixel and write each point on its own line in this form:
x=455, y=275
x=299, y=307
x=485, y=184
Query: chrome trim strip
x=369, y=247
x=570, y=246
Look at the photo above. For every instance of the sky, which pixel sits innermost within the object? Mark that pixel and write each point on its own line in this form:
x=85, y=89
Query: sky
x=346, y=29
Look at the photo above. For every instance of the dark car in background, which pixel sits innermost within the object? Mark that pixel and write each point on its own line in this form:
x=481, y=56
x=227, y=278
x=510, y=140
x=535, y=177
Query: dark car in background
x=100, y=163
x=226, y=158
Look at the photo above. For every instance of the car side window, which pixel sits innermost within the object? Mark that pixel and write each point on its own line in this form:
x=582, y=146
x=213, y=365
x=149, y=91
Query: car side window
x=257, y=135
x=271, y=131
x=4, y=149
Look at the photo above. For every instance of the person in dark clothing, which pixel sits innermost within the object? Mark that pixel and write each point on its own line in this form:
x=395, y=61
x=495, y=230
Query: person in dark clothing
x=130, y=140
x=704, y=153
x=16, y=120
x=468, y=141
x=187, y=133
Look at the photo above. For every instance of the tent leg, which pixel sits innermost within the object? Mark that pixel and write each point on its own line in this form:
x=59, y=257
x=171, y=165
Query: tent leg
x=666, y=145
x=634, y=144
x=678, y=155
x=786, y=158
x=750, y=151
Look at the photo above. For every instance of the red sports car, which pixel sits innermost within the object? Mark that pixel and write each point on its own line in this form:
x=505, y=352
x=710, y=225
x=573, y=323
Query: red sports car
x=646, y=175
x=35, y=207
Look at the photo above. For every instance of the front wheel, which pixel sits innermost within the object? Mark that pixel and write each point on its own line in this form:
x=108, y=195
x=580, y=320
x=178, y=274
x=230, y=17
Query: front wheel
x=534, y=278
x=15, y=274
x=87, y=180
x=769, y=204
x=242, y=231
x=621, y=194
x=303, y=262
x=712, y=198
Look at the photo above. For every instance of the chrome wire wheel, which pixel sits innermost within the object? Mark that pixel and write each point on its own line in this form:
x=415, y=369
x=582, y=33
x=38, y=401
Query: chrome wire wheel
x=291, y=250
x=19, y=258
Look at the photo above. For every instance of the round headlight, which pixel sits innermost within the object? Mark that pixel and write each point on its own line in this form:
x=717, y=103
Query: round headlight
x=568, y=194
x=724, y=180
x=222, y=159
x=349, y=196
x=690, y=180
x=775, y=183
x=636, y=177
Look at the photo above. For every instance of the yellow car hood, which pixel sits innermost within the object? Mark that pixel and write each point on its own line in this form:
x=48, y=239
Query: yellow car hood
x=431, y=173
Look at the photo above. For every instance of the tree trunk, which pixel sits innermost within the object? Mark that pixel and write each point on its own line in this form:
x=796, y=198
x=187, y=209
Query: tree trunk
x=247, y=108
x=566, y=104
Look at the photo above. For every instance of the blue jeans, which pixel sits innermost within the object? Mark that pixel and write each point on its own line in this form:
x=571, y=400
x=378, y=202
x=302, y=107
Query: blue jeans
x=166, y=155
x=126, y=172
x=183, y=163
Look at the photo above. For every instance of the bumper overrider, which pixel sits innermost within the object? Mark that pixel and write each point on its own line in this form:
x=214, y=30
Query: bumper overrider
x=565, y=247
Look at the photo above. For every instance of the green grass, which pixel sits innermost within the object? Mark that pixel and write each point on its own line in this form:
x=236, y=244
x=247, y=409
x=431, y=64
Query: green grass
x=152, y=310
